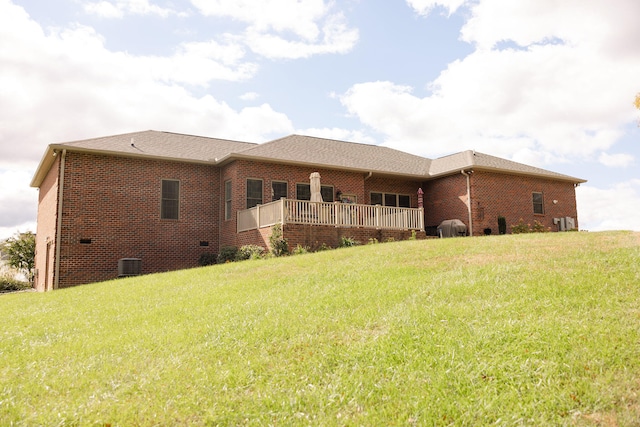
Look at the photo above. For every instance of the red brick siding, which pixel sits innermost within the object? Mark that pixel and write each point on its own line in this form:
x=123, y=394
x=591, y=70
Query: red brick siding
x=115, y=202
x=314, y=237
x=445, y=198
x=391, y=185
x=494, y=194
x=46, y=232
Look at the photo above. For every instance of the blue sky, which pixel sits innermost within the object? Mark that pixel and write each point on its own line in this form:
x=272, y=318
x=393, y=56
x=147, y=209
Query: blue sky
x=542, y=82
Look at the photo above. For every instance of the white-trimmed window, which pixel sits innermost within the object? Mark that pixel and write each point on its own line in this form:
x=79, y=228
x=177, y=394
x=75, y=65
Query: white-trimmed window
x=391, y=199
x=228, y=200
x=254, y=192
x=170, y=202
x=538, y=203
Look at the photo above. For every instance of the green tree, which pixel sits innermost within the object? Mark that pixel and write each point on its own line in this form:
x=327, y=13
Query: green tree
x=21, y=250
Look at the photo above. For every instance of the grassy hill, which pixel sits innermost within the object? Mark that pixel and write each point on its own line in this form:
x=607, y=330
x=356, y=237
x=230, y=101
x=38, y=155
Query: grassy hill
x=538, y=329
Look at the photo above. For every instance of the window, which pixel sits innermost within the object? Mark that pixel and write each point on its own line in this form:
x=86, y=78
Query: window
x=170, y=205
x=279, y=189
x=391, y=199
x=227, y=200
x=404, y=201
x=303, y=192
x=254, y=192
x=327, y=193
x=538, y=203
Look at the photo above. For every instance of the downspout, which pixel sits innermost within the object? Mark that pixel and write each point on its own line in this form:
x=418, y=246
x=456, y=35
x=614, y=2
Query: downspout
x=56, y=269
x=468, y=174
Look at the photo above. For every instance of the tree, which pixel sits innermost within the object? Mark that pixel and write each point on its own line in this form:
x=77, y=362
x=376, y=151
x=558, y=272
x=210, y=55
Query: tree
x=637, y=101
x=21, y=250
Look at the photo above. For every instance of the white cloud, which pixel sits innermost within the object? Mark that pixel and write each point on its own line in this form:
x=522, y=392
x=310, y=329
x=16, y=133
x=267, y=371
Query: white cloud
x=18, y=202
x=287, y=29
x=613, y=208
x=620, y=160
x=120, y=8
x=64, y=84
x=424, y=7
x=563, y=94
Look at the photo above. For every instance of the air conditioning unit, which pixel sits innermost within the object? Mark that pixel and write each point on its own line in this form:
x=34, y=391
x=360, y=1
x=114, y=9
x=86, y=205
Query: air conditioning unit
x=129, y=267
x=570, y=222
x=561, y=223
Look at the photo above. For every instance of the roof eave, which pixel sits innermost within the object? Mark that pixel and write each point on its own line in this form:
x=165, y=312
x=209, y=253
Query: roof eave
x=239, y=156
x=559, y=177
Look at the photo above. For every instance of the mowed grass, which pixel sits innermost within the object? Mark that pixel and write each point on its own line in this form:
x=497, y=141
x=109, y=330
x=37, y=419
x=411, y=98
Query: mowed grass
x=539, y=329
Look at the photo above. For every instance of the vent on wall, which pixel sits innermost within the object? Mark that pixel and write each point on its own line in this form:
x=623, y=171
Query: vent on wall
x=129, y=267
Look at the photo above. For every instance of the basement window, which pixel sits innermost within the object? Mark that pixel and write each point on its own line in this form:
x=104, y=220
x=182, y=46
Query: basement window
x=85, y=241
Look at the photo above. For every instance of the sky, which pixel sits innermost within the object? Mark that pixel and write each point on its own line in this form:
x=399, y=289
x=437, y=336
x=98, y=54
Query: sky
x=544, y=82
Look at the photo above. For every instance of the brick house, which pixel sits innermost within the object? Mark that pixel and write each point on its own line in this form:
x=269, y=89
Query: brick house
x=156, y=201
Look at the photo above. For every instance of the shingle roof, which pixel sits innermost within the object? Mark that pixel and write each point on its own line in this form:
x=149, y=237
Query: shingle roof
x=300, y=149
x=162, y=145
x=474, y=160
x=292, y=149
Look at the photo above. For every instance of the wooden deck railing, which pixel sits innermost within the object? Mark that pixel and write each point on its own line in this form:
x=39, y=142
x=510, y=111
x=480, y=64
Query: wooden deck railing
x=287, y=211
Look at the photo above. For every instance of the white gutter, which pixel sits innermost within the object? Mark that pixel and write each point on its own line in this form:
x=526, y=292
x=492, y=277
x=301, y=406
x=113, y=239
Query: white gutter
x=467, y=174
x=56, y=270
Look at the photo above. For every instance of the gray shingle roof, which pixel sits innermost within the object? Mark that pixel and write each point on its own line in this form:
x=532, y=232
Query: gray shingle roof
x=311, y=150
x=292, y=149
x=474, y=160
x=161, y=145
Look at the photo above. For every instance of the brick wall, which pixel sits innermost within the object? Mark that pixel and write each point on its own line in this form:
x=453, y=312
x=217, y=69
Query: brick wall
x=112, y=210
x=353, y=183
x=445, y=198
x=46, y=231
x=494, y=194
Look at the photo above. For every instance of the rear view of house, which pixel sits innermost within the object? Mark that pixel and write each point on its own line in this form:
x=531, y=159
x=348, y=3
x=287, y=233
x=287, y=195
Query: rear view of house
x=156, y=201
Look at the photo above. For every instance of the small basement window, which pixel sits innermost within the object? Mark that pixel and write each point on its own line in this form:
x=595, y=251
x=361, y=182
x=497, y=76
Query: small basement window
x=85, y=241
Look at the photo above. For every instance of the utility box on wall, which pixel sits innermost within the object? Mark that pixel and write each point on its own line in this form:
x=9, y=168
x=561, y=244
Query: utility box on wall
x=129, y=267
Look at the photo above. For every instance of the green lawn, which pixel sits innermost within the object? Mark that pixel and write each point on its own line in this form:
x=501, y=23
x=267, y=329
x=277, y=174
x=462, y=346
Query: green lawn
x=537, y=329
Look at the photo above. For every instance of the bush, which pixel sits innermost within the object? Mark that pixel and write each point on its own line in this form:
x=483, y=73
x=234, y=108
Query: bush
x=521, y=227
x=279, y=245
x=299, y=250
x=227, y=254
x=502, y=225
x=250, y=252
x=10, y=284
x=207, y=259
x=347, y=242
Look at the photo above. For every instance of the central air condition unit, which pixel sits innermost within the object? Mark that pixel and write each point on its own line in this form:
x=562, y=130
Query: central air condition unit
x=571, y=223
x=560, y=222
x=129, y=267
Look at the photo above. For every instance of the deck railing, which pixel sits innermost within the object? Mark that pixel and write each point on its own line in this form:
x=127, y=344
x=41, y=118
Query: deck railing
x=287, y=211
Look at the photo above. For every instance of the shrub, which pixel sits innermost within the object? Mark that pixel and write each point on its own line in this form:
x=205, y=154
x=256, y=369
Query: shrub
x=502, y=225
x=207, y=259
x=521, y=227
x=227, y=254
x=279, y=245
x=413, y=235
x=373, y=241
x=323, y=247
x=299, y=250
x=347, y=242
x=250, y=252
x=10, y=284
